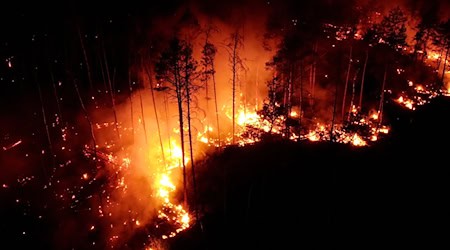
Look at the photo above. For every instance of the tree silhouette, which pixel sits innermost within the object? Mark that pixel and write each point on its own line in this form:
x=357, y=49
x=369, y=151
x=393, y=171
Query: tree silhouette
x=208, y=56
x=233, y=47
x=442, y=39
x=391, y=30
x=178, y=68
x=272, y=107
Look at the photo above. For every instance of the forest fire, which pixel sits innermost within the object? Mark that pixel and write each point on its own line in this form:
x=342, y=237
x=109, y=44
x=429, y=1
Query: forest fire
x=418, y=95
x=124, y=113
x=172, y=218
x=360, y=130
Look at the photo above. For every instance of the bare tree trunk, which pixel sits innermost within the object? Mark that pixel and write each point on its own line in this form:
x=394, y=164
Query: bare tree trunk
x=314, y=66
x=111, y=91
x=301, y=93
x=155, y=110
x=106, y=89
x=143, y=117
x=346, y=84
x=179, y=95
x=333, y=120
x=289, y=99
x=234, y=71
x=47, y=132
x=86, y=60
x=361, y=92
x=440, y=59
x=55, y=93
x=445, y=64
x=353, y=93
x=86, y=115
x=166, y=109
x=130, y=88
x=215, y=103
x=191, y=151
x=380, y=107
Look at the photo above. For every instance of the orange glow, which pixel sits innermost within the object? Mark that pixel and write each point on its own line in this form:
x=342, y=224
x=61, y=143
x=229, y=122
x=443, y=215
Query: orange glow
x=358, y=141
x=312, y=136
x=406, y=102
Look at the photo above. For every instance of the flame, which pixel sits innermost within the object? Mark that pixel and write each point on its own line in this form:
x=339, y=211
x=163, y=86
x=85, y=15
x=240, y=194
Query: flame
x=406, y=102
x=313, y=136
x=358, y=141
x=174, y=214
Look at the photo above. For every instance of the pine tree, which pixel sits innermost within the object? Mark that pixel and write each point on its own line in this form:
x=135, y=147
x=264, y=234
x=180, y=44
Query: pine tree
x=178, y=68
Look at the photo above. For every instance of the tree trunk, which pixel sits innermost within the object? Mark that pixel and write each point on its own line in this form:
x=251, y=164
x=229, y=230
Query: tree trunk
x=333, y=120
x=155, y=110
x=353, y=92
x=130, y=88
x=179, y=92
x=111, y=91
x=234, y=69
x=380, y=108
x=86, y=115
x=191, y=151
x=346, y=84
x=143, y=117
x=47, y=132
x=445, y=63
x=88, y=69
x=361, y=92
x=300, y=105
x=215, y=103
